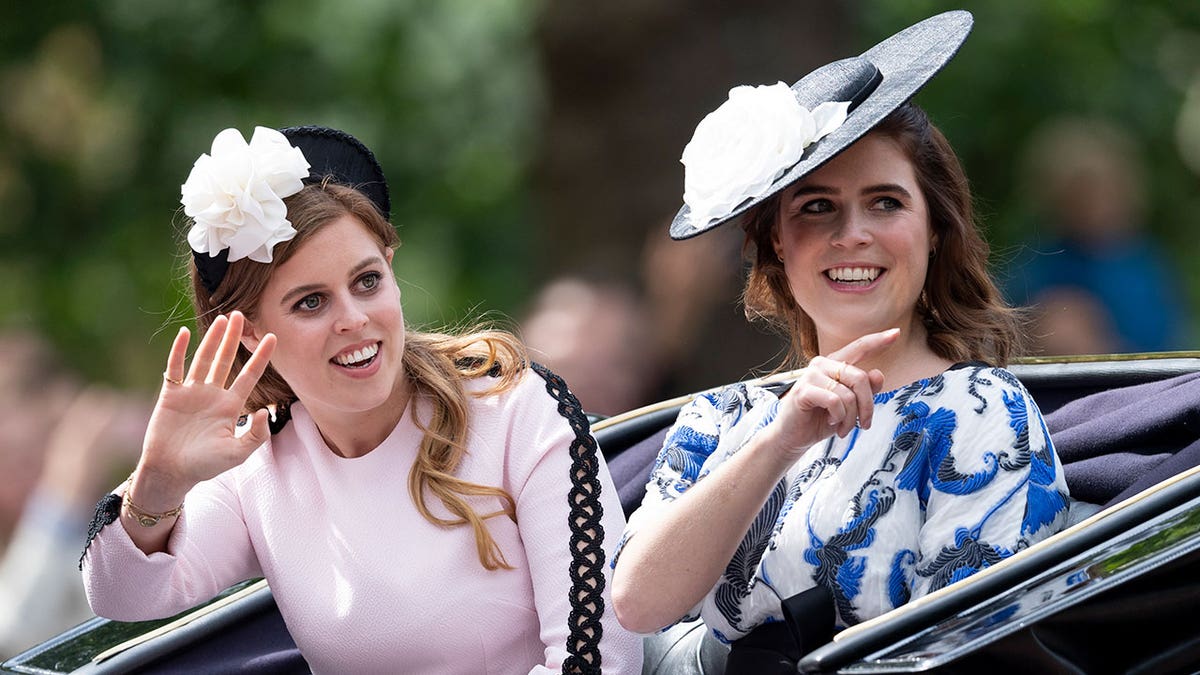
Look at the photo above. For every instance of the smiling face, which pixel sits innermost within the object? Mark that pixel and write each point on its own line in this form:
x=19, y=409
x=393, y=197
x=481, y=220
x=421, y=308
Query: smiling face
x=855, y=239
x=335, y=307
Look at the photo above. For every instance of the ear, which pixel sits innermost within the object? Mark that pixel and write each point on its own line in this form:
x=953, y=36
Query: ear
x=389, y=253
x=250, y=336
x=776, y=243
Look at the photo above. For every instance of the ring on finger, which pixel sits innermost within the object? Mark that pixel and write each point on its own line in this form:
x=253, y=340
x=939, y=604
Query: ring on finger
x=837, y=377
x=169, y=379
x=833, y=385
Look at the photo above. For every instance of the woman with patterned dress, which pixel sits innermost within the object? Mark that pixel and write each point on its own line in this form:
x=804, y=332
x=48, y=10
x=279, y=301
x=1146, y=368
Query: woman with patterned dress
x=904, y=457
x=417, y=502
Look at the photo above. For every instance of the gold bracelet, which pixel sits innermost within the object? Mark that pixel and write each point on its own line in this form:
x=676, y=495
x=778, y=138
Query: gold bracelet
x=144, y=517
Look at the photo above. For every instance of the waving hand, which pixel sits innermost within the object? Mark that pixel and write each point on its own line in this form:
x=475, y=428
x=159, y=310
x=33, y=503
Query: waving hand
x=191, y=436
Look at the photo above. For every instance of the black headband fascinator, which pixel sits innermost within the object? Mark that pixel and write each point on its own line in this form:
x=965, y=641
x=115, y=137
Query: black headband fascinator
x=235, y=194
x=337, y=154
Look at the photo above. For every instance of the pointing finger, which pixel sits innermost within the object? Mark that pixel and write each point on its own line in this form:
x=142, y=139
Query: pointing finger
x=865, y=346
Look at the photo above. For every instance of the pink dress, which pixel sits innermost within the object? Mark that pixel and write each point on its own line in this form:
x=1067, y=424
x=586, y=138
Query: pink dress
x=366, y=584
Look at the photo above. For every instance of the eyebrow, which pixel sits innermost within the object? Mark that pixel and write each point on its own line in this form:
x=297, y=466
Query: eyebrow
x=887, y=187
x=869, y=190
x=301, y=291
x=812, y=190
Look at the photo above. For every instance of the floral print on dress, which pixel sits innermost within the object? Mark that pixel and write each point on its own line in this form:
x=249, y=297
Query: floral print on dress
x=956, y=473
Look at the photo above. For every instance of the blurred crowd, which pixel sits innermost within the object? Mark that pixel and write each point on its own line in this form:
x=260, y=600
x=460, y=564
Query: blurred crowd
x=677, y=328
x=63, y=444
x=1094, y=275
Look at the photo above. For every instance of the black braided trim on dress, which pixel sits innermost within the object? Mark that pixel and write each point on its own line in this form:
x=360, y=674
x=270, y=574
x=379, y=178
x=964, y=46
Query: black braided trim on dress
x=108, y=509
x=468, y=362
x=587, y=534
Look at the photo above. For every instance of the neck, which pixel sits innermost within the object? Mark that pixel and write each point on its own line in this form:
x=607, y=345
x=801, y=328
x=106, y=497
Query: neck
x=354, y=434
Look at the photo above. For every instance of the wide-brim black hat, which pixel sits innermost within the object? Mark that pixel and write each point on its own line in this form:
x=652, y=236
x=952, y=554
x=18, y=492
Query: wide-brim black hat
x=875, y=84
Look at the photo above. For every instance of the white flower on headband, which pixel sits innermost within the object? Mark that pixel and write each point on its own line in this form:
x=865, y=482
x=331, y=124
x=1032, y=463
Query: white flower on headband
x=234, y=195
x=742, y=147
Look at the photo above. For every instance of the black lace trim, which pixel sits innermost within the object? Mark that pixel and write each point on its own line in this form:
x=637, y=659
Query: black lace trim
x=587, y=534
x=468, y=362
x=108, y=509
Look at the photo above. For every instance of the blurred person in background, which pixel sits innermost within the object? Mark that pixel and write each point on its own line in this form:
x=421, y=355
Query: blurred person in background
x=599, y=338
x=62, y=442
x=1097, y=279
x=620, y=349
x=693, y=292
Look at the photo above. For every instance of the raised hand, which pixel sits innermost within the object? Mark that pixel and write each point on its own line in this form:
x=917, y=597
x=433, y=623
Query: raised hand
x=832, y=395
x=191, y=436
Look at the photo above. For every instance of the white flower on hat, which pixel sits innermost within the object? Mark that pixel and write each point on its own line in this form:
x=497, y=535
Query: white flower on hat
x=742, y=147
x=234, y=194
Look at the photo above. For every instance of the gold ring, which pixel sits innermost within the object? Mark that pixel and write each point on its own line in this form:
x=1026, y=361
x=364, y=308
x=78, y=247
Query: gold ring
x=168, y=379
x=837, y=377
x=832, y=385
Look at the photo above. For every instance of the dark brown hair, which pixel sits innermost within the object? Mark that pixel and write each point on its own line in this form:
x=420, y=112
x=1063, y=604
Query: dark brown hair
x=960, y=307
x=436, y=364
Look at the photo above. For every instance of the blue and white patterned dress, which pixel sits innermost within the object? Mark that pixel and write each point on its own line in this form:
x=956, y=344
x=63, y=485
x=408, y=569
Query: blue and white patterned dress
x=956, y=473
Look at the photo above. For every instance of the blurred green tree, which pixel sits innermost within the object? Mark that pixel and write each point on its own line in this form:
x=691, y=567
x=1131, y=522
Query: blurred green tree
x=106, y=105
x=103, y=107
x=1131, y=64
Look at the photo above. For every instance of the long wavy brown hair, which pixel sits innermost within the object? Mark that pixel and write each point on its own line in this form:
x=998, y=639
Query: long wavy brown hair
x=436, y=364
x=963, y=312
